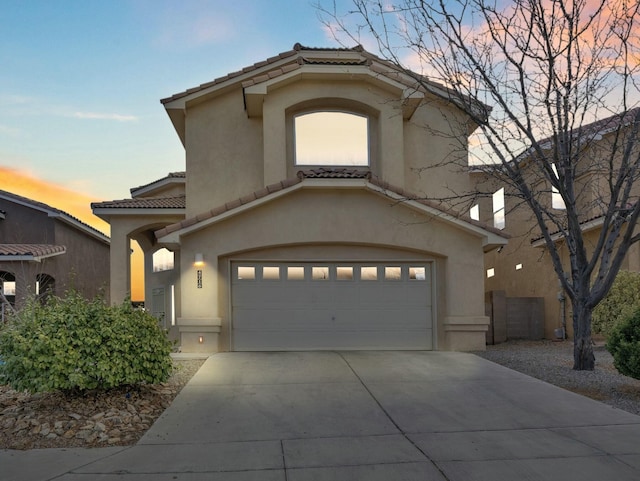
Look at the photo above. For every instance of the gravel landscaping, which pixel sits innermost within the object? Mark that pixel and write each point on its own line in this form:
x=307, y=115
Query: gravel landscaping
x=552, y=362
x=118, y=417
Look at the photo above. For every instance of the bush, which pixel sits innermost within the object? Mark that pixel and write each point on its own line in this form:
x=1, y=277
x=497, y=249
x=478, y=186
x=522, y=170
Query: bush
x=73, y=344
x=624, y=346
x=620, y=303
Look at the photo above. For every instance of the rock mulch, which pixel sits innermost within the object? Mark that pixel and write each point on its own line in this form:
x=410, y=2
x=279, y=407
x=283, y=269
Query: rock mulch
x=552, y=362
x=118, y=417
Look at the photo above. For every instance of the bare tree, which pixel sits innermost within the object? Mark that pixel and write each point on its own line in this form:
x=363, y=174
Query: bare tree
x=534, y=75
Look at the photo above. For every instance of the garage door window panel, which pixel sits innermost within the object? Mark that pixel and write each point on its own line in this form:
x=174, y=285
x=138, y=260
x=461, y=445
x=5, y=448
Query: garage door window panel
x=295, y=273
x=320, y=273
x=246, y=273
x=369, y=273
x=344, y=273
x=271, y=273
x=393, y=273
x=417, y=274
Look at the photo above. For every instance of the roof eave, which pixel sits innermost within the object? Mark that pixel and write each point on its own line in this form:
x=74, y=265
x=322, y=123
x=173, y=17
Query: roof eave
x=152, y=187
x=254, y=94
x=30, y=257
x=491, y=240
x=557, y=237
x=106, y=213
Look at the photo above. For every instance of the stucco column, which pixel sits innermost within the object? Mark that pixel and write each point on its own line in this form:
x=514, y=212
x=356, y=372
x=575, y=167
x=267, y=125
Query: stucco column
x=275, y=144
x=25, y=283
x=199, y=325
x=120, y=264
x=465, y=324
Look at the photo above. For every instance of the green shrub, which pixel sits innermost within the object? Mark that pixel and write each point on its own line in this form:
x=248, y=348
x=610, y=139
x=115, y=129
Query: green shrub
x=72, y=344
x=620, y=303
x=624, y=345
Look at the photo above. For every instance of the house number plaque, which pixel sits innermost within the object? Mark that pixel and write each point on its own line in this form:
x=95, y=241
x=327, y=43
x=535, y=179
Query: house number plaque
x=199, y=279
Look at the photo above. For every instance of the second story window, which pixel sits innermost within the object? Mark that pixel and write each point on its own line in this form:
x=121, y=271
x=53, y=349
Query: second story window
x=498, y=209
x=474, y=213
x=557, y=202
x=331, y=138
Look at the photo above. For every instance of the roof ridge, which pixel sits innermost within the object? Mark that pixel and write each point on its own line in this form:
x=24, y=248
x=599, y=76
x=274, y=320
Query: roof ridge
x=42, y=205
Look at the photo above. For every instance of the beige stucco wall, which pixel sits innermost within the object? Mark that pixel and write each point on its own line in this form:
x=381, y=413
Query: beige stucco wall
x=302, y=224
x=230, y=155
x=224, y=153
x=436, y=155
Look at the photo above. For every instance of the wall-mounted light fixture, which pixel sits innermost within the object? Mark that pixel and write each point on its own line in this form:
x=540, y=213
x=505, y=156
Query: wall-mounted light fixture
x=199, y=260
x=200, y=339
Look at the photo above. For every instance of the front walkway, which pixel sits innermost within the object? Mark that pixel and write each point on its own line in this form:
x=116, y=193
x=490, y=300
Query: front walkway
x=363, y=416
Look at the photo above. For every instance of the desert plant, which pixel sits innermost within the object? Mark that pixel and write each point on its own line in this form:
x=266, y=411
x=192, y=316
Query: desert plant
x=73, y=344
x=620, y=303
x=624, y=346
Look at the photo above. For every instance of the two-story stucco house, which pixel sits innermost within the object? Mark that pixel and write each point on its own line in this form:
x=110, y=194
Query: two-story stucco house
x=299, y=222
x=45, y=250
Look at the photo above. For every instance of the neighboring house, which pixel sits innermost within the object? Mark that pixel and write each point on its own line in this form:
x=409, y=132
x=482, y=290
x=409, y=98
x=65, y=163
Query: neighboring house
x=275, y=239
x=523, y=270
x=45, y=250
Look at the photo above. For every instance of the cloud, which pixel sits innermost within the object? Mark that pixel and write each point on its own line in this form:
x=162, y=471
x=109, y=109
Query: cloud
x=192, y=27
x=104, y=116
x=26, y=184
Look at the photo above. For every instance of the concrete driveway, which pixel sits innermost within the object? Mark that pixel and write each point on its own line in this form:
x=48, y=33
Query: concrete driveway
x=304, y=416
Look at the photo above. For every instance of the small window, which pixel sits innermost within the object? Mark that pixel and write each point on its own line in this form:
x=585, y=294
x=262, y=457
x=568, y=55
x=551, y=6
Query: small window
x=295, y=273
x=518, y=267
x=271, y=273
x=491, y=272
x=331, y=138
x=369, y=273
x=9, y=288
x=498, y=209
x=320, y=273
x=344, y=273
x=557, y=202
x=392, y=273
x=417, y=274
x=246, y=273
x=163, y=260
x=474, y=213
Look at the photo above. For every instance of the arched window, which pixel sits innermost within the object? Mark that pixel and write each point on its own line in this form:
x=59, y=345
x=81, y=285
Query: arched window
x=45, y=286
x=331, y=138
x=8, y=286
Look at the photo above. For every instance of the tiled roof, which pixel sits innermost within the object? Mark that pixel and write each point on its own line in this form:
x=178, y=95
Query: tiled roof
x=52, y=210
x=170, y=175
x=337, y=173
x=586, y=223
x=321, y=173
x=589, y=132
x=35, y=250
x=384, y=68
x=177, y=202
x=229, y=76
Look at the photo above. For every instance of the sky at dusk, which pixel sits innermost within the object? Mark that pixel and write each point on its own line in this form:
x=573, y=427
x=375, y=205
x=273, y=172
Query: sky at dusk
x=82, y=80
x=81, y=83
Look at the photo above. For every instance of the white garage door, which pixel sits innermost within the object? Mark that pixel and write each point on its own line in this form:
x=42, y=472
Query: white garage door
x=296, y=306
